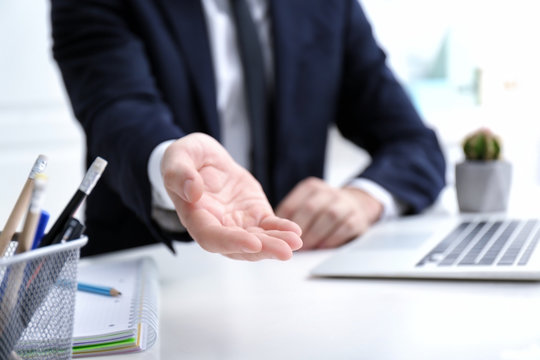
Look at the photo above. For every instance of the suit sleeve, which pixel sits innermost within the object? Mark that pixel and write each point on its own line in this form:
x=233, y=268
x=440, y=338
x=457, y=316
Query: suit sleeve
x=113, y=94
x=376, y=114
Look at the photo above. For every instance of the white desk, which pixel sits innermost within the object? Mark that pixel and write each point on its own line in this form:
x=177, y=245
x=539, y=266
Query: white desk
x=216, y=308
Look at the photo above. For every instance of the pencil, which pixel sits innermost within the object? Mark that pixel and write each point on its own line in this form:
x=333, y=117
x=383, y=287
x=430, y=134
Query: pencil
x=89, y=181
x=21, y=204
x=96, y=289
x=12, y=290
x=32, y=216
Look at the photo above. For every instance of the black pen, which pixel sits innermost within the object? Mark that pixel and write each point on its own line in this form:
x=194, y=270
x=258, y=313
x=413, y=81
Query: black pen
x=73, y=230
x=89, y=181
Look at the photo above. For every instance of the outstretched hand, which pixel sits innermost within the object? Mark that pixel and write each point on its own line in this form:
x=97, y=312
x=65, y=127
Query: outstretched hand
x=222, y=206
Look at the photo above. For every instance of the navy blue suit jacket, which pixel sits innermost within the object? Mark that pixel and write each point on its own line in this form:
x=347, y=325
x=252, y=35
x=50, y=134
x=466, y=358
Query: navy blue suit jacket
x=139, y=72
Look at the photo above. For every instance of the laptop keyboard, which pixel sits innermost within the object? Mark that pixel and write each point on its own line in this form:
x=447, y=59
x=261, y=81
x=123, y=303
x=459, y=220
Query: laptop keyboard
x=487, y=243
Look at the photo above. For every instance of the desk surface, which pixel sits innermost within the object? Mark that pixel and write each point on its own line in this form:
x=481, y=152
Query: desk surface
x=216, y=308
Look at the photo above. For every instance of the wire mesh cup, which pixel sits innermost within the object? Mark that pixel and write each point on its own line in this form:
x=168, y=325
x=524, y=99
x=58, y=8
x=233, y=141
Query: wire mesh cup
x=37, y=301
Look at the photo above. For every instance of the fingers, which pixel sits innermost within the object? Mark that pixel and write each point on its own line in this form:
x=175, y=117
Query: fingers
x=253, y=243
x=328, y=222
x=300, y=198
x=242, y=245
x=276, y=223
x=272, y=247
x=352, y=227
x=329, y=217
x=314, y=207
x=291, y=239
x=217, y=238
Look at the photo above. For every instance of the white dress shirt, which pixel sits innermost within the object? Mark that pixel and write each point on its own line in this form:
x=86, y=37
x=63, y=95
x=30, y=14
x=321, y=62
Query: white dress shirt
x=231, y=99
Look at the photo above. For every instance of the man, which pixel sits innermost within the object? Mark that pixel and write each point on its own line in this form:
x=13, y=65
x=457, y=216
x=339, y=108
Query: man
x=147, y=79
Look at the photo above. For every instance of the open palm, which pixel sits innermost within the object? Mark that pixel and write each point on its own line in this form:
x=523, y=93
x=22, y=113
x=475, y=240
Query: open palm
x=221, y=204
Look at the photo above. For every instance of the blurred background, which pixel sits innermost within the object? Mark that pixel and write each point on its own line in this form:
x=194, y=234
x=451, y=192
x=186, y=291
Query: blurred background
x=465, y=64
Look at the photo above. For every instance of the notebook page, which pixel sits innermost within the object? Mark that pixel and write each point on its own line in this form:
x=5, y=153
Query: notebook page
x=106, y=317
x=122, y=324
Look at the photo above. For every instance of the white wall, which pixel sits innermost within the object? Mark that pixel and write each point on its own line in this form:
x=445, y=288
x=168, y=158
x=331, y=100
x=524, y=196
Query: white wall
x=495, y=38
x=34, y=114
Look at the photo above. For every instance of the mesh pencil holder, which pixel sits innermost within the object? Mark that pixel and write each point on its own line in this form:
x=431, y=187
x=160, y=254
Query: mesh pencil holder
x=37, y=301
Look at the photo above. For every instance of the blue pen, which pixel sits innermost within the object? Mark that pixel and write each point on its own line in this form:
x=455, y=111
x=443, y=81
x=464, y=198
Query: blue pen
x=40, y=230
x=96, y=289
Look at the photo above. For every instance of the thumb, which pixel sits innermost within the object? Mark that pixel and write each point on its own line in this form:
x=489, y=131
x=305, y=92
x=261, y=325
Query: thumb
x=181, y=176
x=192, y=190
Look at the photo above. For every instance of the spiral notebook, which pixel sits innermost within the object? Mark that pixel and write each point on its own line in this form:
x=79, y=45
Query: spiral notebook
x=122, y=324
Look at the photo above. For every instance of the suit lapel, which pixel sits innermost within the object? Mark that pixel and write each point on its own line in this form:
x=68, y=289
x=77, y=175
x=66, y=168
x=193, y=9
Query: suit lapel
x=188, y=24
x=287, y=44
x=187, y=21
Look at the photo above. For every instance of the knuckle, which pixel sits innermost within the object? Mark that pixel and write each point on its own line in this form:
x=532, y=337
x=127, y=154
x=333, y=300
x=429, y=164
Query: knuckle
x=285, y=210
x=310, y=206
x=333, y=213
x=312, y=183
x=349, y=226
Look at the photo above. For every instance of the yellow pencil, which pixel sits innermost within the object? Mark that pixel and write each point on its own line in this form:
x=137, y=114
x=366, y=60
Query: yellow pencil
x=21, y=205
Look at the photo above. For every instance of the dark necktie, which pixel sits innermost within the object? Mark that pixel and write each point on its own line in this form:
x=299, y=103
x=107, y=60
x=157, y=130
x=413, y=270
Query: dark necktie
x=256, y=90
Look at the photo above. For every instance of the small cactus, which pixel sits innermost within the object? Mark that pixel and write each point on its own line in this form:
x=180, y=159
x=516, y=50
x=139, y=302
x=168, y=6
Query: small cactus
x=482, y=145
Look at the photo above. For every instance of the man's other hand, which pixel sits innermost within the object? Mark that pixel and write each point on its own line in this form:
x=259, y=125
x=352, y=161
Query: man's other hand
x=329, y=216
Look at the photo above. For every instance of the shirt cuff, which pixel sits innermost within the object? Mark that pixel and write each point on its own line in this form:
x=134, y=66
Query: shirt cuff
x=160, y=198
x=391, y=207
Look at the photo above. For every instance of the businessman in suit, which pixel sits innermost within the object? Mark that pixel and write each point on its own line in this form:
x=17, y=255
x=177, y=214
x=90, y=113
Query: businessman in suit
x=170, y=94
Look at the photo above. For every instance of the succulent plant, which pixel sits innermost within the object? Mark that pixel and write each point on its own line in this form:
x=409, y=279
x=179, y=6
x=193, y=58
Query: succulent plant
x=482, y=145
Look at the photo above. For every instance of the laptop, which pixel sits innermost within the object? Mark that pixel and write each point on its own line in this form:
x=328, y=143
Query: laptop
x=430, y=247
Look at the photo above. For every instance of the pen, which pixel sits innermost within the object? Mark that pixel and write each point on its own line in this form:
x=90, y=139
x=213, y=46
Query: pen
x=78, y=230
x=38, y=277
x=85, y=188
x=96, y=289
x=73, y=230
x=21, y=204
x=40, y=231
x=28, y=232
